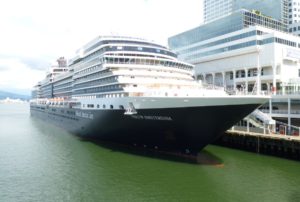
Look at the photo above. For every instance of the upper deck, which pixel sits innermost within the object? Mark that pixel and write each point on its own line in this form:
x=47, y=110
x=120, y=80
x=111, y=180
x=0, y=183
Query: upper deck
x=115, y=44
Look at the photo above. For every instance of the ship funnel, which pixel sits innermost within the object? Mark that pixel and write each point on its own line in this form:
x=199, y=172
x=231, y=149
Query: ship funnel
x=62, y=62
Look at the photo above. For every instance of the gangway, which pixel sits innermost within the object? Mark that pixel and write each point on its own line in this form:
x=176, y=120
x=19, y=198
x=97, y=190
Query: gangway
x=260, y=120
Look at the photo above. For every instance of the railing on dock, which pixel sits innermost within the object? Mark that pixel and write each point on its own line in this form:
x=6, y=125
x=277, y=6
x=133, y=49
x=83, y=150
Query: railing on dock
x=282, y=130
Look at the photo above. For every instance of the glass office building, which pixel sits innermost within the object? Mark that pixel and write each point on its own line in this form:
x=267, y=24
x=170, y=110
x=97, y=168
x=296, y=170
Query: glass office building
x=214, y=9
x=277, y=9
x=236, y=21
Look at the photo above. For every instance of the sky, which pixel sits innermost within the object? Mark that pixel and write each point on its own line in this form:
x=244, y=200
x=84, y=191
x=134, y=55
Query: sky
x=34, y=33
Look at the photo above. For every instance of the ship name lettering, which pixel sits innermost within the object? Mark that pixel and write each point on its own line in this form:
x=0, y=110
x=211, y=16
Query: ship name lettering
x=158, y=118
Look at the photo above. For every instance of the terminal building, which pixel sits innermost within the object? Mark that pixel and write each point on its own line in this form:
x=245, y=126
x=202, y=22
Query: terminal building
x=232, y=50
x=249, y=52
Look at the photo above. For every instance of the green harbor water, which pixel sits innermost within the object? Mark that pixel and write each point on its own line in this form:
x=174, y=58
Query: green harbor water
x=39, y=162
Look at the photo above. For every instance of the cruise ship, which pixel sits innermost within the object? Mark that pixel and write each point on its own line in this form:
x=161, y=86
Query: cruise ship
x=136, y=92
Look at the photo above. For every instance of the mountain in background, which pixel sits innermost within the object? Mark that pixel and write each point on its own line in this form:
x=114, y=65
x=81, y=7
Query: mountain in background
x=4, y=95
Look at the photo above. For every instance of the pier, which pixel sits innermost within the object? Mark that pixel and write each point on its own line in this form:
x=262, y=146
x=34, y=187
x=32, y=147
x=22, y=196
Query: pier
x=279, y=143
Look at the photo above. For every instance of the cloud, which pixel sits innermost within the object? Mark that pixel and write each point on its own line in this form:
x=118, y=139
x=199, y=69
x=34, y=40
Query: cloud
x=3, y=68
x=37, y=63
x=16, y=74
x=38, y=32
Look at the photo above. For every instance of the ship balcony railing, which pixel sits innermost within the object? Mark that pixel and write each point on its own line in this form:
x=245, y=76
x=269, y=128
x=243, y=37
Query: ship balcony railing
x=57, y=84
x=156, y=81
x=147, y=61
x=63, y=89
x=62, y=86
x=88, y=62
x=64, y=94
x=95, y=70
x=91, y=92
x=181, y=70
x=93, y=84
x=164, y=92
x=152, y=72
x=92, y=78
x=63, y=76
x=87, y=73
x=139, y=80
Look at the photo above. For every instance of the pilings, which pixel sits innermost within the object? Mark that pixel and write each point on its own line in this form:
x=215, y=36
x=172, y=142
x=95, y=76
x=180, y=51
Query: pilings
x=277, y=145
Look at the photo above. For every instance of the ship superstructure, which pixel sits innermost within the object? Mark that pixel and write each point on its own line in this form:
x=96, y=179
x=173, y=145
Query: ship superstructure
x=135, y=91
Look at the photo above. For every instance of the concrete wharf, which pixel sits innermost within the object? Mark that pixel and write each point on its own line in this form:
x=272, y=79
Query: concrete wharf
x=276, y=144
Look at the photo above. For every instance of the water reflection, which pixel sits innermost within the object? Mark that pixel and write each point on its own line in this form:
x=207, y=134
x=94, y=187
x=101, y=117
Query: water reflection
x=204, y=157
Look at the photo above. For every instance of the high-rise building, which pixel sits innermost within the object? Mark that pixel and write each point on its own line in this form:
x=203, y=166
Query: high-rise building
x=277, y=9
x=294, y=11
x=294, y=17
x=214, y=9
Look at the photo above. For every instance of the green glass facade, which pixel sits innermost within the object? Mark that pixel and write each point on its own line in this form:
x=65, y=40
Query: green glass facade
x=277, y=9
x=236, y=21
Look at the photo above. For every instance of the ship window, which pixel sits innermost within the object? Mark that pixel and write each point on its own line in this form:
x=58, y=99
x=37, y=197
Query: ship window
x=104, y=106
x=111, y=106
x=121, y=106
x=98, y=106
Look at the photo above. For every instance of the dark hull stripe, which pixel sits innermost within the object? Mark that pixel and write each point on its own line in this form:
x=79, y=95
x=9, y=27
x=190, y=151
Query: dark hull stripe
x=173, y=128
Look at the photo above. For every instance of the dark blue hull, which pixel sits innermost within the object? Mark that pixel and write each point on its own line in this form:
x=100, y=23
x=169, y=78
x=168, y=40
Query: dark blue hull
x=189, y=128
